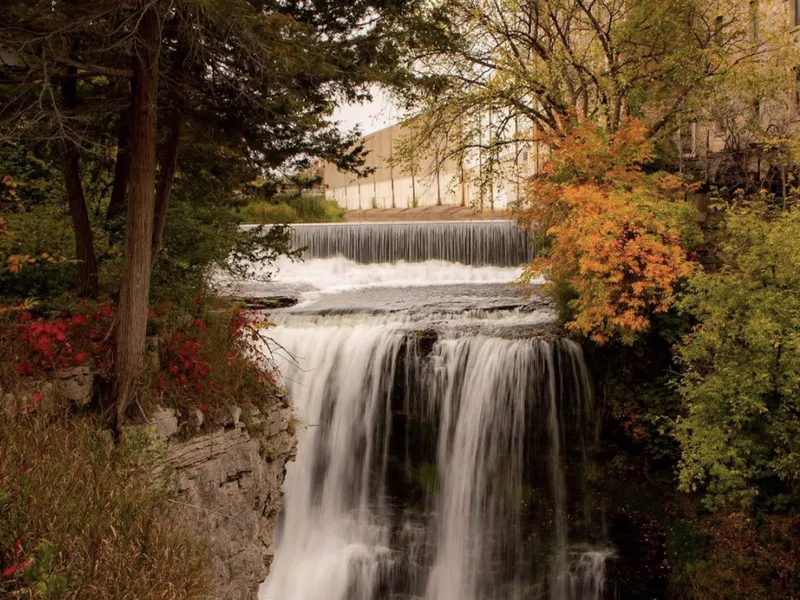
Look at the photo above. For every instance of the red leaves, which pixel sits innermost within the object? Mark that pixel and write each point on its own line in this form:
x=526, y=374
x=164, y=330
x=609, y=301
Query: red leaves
x=18, y=568
x=204, y=408
x=21, y=566
x=37, y=398
x=52, y=344
x=189, y=366
x=23, y=368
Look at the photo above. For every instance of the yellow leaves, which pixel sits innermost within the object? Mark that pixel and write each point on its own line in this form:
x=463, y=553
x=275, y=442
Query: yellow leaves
x=16, y=262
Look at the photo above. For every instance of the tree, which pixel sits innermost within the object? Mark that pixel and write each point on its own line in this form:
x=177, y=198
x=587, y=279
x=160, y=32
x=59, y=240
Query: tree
x=259, y=79
x=495, y=75
x=612, y=238
x=134, y=293
x=741, y=363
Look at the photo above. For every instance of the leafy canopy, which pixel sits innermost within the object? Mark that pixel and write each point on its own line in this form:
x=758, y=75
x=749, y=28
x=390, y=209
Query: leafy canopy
x=613, y=238
x=741, y=364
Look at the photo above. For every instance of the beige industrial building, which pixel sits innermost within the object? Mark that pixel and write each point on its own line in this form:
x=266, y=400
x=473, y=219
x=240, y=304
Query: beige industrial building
x=463, y=181
x=432, y=181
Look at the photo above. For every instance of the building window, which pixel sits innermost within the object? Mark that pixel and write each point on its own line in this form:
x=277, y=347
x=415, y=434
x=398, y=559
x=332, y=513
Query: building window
x=796, y=12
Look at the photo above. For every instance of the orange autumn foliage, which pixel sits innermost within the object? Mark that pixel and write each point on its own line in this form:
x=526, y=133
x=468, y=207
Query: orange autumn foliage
x=610, y=234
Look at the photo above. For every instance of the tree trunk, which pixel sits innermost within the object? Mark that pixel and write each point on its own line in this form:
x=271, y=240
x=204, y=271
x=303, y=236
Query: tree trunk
x=169, y=159
x=70, y=165
x=169, y=162
x=135, y=285
x=119, y=192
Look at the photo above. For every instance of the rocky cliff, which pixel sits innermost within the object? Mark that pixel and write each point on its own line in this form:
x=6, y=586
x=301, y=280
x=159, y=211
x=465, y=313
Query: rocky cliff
x=230, y=490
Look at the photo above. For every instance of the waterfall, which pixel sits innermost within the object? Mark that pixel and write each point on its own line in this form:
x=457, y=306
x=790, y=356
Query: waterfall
x=499, y=243
x=435, y=462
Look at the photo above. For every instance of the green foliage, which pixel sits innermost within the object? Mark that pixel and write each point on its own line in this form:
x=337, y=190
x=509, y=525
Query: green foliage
x=741, y=364
x=292, y=209
x=83, y=518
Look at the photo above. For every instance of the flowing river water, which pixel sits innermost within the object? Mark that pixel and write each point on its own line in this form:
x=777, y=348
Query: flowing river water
x=445, y=433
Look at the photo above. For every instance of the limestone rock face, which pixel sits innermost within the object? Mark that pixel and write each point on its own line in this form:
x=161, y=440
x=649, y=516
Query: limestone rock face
x=76, y=385
x=230, y=492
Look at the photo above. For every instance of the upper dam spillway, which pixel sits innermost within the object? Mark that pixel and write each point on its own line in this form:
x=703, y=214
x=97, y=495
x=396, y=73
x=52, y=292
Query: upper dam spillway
x=476, y=243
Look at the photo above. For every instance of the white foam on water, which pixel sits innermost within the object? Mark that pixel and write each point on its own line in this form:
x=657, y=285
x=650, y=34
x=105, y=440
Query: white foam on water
x=339, y=274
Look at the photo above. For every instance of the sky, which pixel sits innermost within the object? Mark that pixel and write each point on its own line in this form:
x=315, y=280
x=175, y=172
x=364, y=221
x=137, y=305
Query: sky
x=370, y=116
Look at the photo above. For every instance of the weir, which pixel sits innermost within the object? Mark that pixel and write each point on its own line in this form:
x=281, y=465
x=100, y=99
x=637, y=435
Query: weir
x=499, y=243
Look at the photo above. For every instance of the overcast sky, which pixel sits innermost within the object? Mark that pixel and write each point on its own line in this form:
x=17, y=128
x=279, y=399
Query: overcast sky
x=370, y=117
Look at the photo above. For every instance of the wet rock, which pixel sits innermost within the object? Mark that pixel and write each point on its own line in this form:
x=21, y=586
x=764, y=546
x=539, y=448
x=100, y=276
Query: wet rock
x=269, y=302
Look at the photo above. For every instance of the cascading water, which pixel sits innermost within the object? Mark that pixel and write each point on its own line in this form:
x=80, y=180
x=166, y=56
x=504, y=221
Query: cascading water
x=442, y=449
x=500, y=243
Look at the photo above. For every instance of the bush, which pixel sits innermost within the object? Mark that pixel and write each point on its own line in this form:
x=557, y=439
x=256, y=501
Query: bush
x=613, y=237
x=733, y=557
x=81, y=518
x=740, y=437
x=292, y=209
x=207, y=361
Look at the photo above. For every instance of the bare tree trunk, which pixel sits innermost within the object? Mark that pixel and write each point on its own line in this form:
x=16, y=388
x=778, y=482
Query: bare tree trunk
x=135, y=285
x=70, y=165
x=169, y=159
x=119, y=192
x=169, y=162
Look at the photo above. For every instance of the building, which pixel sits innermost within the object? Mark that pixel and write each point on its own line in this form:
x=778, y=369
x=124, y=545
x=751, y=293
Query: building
x=398, y=180
x=709, y=147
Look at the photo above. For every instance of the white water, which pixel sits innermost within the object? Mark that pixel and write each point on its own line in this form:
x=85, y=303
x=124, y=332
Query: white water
x=490, y=400
x=501, y=243
x=315, y=276
x=441, y=449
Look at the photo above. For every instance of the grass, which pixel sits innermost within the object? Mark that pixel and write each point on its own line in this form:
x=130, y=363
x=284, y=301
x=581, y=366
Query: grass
x=81, y=518
x=292, y=209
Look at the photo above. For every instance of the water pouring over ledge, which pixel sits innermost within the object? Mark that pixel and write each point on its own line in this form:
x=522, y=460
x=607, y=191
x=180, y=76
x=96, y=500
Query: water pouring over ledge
x=441, y=451
x=478, y=243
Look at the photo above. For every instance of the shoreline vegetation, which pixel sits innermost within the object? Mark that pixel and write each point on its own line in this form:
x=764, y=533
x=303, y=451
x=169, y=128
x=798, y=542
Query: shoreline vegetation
x=287, y=209
x=136, y=136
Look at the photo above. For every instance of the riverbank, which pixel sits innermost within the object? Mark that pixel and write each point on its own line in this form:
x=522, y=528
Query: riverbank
x=423, y=213
x=184, y=503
